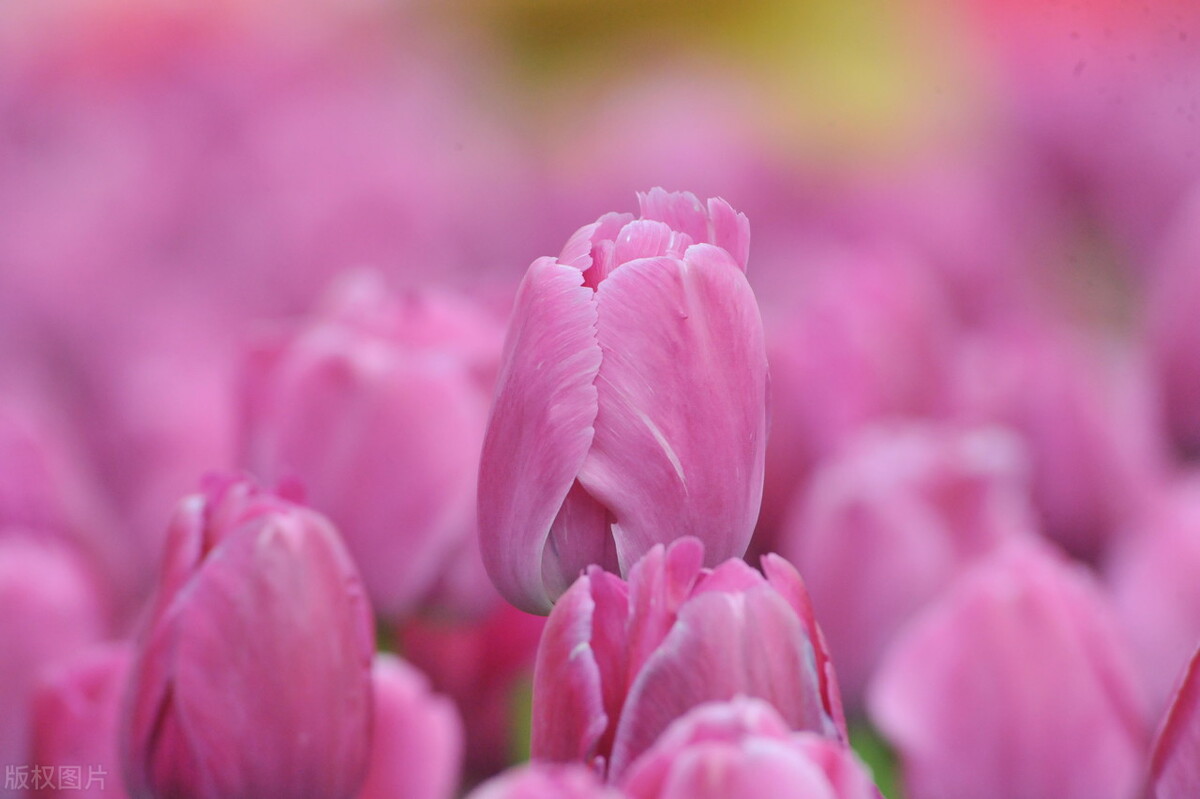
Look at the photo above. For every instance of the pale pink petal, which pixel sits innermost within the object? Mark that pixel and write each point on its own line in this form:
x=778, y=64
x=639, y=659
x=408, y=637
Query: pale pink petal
x=681, y=427
x=540, y=429
x=546, y=781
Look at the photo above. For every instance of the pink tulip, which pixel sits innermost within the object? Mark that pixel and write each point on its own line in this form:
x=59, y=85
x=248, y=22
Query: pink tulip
x=546, y=781
x=1083, y=410
x=874, y=330
x=631, y=405
x=485, y=665
x=620, y=661
x=743, y=749
x=75, y=719
x=253, y=676
x=417, y=738
x=1174, y=335
x=887, y=524
x=1153, y=575
x=50, y=610
x=377, y=407
x=1015, y=683
x=1175, y=760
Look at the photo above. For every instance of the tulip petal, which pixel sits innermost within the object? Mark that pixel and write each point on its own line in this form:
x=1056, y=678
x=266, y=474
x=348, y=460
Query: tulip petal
x=578, y=681
x=681, y=427
x=540, y=429
x=770, y=658
x=1175, y=763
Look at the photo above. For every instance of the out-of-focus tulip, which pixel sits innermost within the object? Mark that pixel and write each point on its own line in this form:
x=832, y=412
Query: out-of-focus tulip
x=1086, y=417
x=1154, y=576
x=1173, y=332
x=75, y=723
x=620, y=661
x=887, y=524
x=50, y=609
x=546, y=781
x=873, y=330
x=417, y=737
x=45, y=485
x=377, y=408
x=253, y=676
x=1175, y=759
x=486, y=667
x=743, y=749
x=1015, y=683
x=631, y=405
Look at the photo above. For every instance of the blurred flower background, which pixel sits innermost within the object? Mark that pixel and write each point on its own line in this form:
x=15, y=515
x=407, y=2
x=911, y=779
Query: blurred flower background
x=283, y=239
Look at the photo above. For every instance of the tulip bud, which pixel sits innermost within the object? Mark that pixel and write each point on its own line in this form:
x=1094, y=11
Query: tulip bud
x=417, y=738
x=253, y=675
x=1175, y=760
x=1153, y=574
x=76, y=718
x=888, y=523
x=50, y=610
x=620, y=661
x=631, y=404
x=485, y=666
x=743, y=749
x=377, y=408
x=1015, y=683
x=546, y=781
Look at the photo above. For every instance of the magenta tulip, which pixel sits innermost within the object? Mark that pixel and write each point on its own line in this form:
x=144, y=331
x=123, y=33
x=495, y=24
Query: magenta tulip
x=253, y=676
x=417, y=737
x=75, y=723
x=50, y=611
x=620, y=661
x=546, y=781
x=887, y=524
x=743, y=749
x=1175, y=760
x=1014, y=683
x=631, y=404
x=377, y=407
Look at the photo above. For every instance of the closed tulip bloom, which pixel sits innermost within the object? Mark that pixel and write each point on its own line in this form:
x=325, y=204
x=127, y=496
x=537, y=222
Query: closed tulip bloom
x=891, y=520
x=1016, y=683
x=620, y=661
x=50, y=610
x=546, y=781
x=631, y=404
x=1175, y=760
x=253, y=676
x=377, y=407
x=417, y=737
x=743, y=749
x=76, y=718
x=1153, y=576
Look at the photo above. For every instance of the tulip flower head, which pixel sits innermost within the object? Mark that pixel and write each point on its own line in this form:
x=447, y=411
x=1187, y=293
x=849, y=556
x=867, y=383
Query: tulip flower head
x=253, y=677
x=620, y=661
x=1175, y=761
x=631, y=404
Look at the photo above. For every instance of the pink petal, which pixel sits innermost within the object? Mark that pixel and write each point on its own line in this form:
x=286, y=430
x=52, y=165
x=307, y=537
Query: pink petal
x=723, y=645
x=417, y=737
x=540, y=430
x=1175, y=762
x=578, y=681
x=681, y=428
